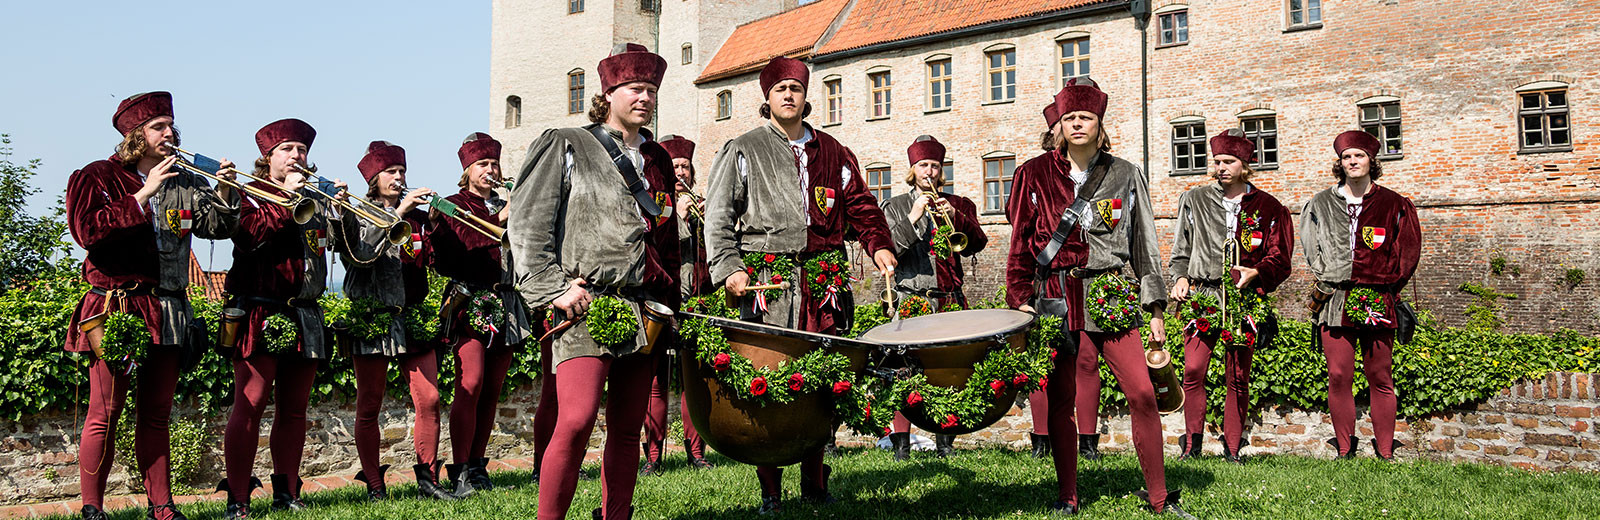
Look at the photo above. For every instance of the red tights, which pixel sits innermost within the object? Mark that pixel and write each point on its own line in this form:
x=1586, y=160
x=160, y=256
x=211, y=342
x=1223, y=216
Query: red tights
x=157, y=378
x=544, y=417
x=1236, y=369
x=655, y=419
x=253, y=380
x=480, y=374
x=1377, y=361
x=580, y=383
x=421, y=372
x=1125, y=353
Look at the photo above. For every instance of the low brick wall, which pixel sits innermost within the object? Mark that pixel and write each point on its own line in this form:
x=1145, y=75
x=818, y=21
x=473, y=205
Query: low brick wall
x=1546, y=424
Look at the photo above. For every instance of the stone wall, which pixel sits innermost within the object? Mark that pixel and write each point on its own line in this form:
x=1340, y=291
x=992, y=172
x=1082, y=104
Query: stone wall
x=1546, y=424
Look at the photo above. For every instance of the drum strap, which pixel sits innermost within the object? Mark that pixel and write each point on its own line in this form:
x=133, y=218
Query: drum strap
x=640, y=191
x=1073, y=213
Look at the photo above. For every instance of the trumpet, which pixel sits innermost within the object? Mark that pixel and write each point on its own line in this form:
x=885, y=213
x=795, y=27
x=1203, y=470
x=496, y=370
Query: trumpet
x=694, y=204
x=450, y=209
x=396, y=229
x=957, y=240
x=197, y=164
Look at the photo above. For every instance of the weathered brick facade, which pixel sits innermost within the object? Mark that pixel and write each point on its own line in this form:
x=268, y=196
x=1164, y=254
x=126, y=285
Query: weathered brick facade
x=1455, y=71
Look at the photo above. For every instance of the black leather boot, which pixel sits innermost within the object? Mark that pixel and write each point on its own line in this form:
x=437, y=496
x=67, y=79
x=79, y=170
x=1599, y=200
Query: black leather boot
x=460, y=485
x=1089, y=446
x=1041, y=445
x=1334, y=441
x=817, y=492
x=599, y=514
x=699, y=463
x=238, y=510
x=1396, y=444
x=478, y=475
x=1061, y=508
x=1232, y=454
x=944, y=445
x=172, y=512
x=284, y=496
x=652, y=467
x=376, y=489
x=771, y=503
x=94, y=513
x=428, y=484
x=1170, y=507
x=902, y=445
x=1189, y=446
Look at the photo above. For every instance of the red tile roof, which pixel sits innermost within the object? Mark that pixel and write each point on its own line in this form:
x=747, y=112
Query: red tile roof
x=210, y=282
x=873, y=22
x=790, y=33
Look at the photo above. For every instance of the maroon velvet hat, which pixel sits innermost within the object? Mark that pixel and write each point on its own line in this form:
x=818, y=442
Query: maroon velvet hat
x=1080, y=94
x=282, y=131
x=678, y=147
x=380, y=155
x=1051, y=114
x=1356, y=139
x=476, y=147
x=1232, y=142
x=140, y=109
x=628, y=63
x=925, y=147
x=782, y=68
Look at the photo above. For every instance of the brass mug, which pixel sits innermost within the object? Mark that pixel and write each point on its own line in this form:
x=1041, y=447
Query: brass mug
x=656, y=319
x=229, y=331
x=1164, y=377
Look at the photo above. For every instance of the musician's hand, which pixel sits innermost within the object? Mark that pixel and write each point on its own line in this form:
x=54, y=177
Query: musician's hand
x=943, y=206
x=294, y=181
x=1026, y=308
x=226, y=171
x=682, y=205
x=1180, y=290
x=919, y=205
x=575, y=302
x=1158, y=330
x=736, y=283
x=412, y=200
x=503, y=216
x=1246, y=275
x=344, y=190
x=152, y=181
x=885, y=260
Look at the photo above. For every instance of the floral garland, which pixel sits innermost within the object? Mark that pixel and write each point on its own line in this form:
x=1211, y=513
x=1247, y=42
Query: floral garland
x=1113, y=303
x=827, y=276
x=281, y=334
x=1365, y=306
x=126, y=340
x=1201, y=314
x=939, y=243
x=369, y=319
x=779, y=265
x=486, y=313
x=913, y=306
x=611, y=322
x=1000, y=371
x=1246, y=311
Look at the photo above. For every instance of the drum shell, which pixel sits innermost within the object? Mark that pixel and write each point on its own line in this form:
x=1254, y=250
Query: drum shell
x=777, y=434
x=950, y=366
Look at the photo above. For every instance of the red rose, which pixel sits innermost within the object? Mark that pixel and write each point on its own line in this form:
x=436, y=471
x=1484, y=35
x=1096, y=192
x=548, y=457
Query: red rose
x=949, y=421
x=841, y=387
x=750, y=271
x=1227, y=336
x=1211, y=310
x=796, y=381
x=822, y=263
x=838, y=280
x=1131, y=297
x=777, y=278
x=1194, y=305
x=1052, y=355
x=721, y=361
x=1044, y=382
x=1250, y=339
x=887, y=431
x=822, y=278
x=768, y=257
x=1203, y=324
x=1019, y=379
x=758, y=386
x=913, y=399
x=998, y=386
x=1101, y=301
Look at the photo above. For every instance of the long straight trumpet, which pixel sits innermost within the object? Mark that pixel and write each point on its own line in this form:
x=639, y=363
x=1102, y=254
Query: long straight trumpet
x=450, y=209
x=396, y=229
x=197, y=164
x=957, y=240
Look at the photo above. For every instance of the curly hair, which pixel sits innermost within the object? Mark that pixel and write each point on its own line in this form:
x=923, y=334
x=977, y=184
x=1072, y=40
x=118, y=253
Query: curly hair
x=599, y=109
x=1375, y=169
x=133, y=145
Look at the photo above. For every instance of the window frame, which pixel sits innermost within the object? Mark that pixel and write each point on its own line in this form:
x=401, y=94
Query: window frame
x=649, y=6
x=724, y=104
x=989, y=71
x=885, y=181
x=1161, y=33
x=1305, y=11
x=1002, y=178
x=575, y=91
x=946, y=81
x=948, y=171
x=833, y=100
x=1544, y=111
x=1259, y=136
x=1200, y=163
x=1078, y=60
x=513, y=111
x=574, y=6
x=1379, y=127
x=882, y=107
x=688, y=53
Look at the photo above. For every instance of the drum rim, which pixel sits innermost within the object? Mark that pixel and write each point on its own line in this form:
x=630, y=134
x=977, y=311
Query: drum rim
x=962, y=340
x=828, y=340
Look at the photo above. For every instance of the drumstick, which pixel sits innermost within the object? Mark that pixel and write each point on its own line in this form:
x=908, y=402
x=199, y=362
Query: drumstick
x=782, y=285
x=558, y=328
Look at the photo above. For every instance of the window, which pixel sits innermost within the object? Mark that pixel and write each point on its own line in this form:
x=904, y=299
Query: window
x=1074, y=58
x=939, y=96
x=574, y=6
x=1544, y=123
x=724, y=105
x=1263, y=131
x=835, y=101
x=688, y=54
x=1382, y=120
x=648, y=6
x=997, y=173
x=881, y=102
x=949, y=187
x=513, y=111
x=1189, y=147
x=575, y=92
x=1002, y=74
x=1305, y=14
x=1174, y=28
x=879, y=182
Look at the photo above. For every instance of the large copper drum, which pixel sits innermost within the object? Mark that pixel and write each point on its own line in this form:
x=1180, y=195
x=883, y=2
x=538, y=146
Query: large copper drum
x=775, y=434
x=945, y=347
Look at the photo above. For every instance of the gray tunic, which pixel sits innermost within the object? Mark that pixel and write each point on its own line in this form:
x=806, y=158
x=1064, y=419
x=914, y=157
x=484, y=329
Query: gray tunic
x=753, y=205
x=373, y=270
x=1199, y=242
x=210, y=218
x=1131, y=244
x=574, y=217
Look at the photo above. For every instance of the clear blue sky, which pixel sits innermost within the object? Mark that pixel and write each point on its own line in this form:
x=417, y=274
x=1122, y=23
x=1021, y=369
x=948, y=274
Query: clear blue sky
x=410, y=72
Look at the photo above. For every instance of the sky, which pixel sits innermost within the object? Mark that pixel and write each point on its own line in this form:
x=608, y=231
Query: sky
x=410, y=72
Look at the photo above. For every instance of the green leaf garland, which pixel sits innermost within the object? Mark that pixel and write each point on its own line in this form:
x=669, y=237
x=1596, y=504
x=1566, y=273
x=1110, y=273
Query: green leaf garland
x=369, y=319
x=486, y=313
x=281, y=334
x=1367, y=307
x=611, y=322
x=780, y=266
x=126, y=341
x=1113, y=303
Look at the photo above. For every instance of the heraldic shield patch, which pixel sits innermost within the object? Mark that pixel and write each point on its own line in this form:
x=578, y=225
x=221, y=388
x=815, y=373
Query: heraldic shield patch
x=824, y=198
x=1372, y=236
x=180, y=221
x=663, y=201
x=1110, y=211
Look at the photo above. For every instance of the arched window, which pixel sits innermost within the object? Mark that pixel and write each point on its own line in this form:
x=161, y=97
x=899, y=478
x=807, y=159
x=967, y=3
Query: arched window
x=688, y=53
x=575, y=91
x=513, y=111
x=1380, y=116
x=724, y=105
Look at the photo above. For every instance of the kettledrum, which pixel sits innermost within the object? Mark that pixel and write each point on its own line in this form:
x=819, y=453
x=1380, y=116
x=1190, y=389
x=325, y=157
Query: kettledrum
x=1169, y=388
x=945, y=347
x=777, y=434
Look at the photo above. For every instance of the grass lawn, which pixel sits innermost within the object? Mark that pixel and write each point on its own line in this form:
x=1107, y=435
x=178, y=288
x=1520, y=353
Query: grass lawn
x=994, y=484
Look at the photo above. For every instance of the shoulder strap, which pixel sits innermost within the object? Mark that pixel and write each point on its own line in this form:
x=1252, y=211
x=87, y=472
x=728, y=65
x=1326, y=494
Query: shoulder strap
x=635, y=186
x=1070, y=217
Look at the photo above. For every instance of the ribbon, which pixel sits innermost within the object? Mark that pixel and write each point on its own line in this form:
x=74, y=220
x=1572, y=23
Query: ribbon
x=831, y=298
x=761, y=302
x=1374, y=317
